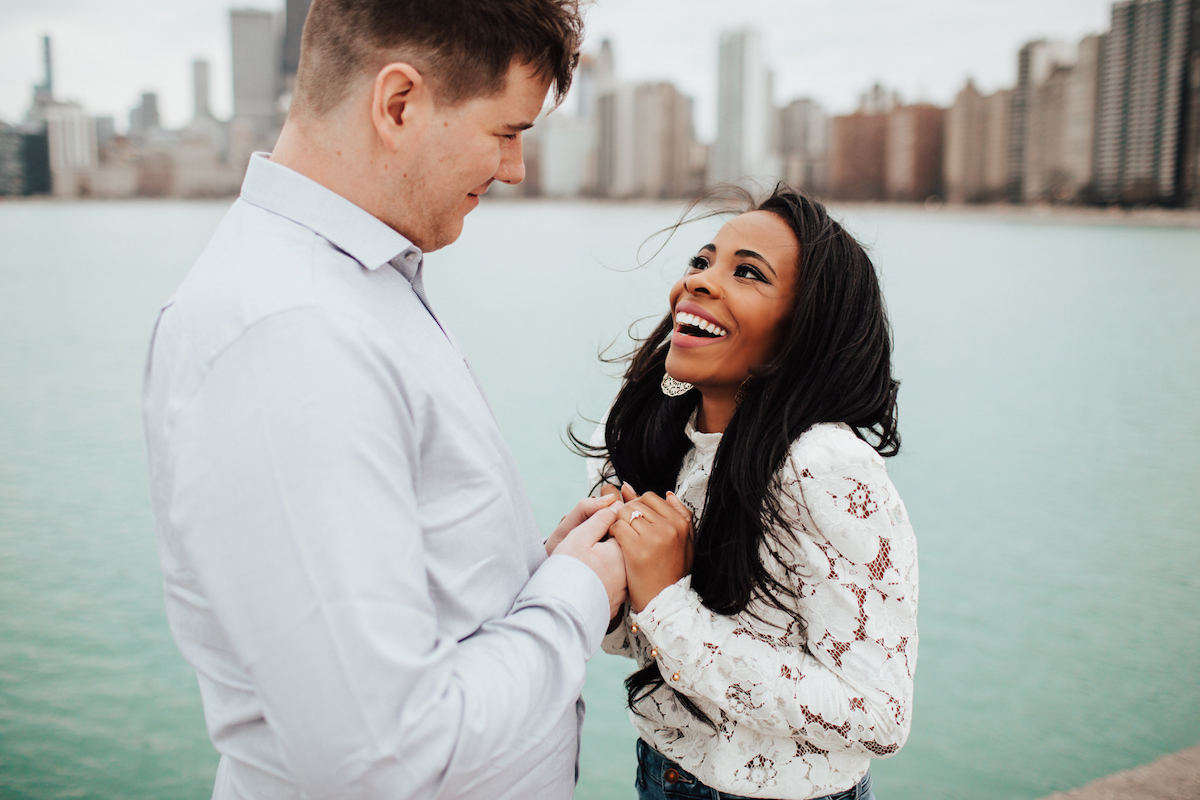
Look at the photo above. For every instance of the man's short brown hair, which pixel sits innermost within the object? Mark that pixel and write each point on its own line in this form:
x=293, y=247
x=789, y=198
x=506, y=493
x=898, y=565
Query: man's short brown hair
x=464, y=48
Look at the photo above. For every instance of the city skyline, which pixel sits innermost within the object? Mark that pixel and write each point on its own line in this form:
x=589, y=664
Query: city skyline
x=829, y=54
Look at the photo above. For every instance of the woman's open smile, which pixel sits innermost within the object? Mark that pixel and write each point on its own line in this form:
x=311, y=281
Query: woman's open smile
x=696, y=327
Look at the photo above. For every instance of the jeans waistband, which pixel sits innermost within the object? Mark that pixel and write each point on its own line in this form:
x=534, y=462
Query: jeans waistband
x=659, y=776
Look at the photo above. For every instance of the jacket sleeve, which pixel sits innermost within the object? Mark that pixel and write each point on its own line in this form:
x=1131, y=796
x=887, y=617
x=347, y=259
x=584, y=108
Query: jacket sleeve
x=846, y=682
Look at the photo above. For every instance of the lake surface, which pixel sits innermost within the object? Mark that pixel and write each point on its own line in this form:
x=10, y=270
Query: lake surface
x=1051, y=466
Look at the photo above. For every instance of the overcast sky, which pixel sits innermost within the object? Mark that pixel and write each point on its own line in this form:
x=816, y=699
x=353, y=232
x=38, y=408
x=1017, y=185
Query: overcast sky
x=107, y=52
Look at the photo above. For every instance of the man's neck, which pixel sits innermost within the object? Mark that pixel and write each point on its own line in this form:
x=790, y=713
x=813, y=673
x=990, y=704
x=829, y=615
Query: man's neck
x=343, y=169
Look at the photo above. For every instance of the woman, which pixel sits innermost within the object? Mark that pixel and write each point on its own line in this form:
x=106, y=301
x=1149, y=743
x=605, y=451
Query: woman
x=771, y=565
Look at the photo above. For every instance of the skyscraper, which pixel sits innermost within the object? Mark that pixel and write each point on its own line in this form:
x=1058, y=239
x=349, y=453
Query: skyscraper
x=1035, y=62
x=804, y=144
x=616, y=140
x=255, y=43
x=43, y=93
x=143, y=120
x=963, y=156
x=913, y=153
x=858, y=156
x=200, y=89
x=1079, y=135
x=744, y=111
x=1191, y=148
x=73, y=152
x=663, y=138
x=1142, y=113
x=1061, y=125
x=12, y=178
x=293, y=27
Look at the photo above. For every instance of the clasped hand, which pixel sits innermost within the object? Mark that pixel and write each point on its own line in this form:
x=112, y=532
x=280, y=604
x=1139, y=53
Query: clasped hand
x=650, y=546
x=655, y=534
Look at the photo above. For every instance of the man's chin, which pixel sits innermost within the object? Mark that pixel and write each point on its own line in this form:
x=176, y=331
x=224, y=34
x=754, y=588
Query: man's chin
x=446, y=235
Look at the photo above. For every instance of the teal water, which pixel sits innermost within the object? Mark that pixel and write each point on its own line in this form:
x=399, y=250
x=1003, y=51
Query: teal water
x=1051, y=376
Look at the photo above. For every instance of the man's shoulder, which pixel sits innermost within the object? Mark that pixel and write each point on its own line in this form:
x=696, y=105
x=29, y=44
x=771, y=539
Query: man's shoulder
x=257, y=262
x=257, y=267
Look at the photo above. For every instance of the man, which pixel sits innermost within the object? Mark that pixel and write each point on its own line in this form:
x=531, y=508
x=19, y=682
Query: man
x=350, y=561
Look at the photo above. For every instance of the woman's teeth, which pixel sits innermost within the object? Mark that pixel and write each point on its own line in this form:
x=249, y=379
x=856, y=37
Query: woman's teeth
x=684, y=318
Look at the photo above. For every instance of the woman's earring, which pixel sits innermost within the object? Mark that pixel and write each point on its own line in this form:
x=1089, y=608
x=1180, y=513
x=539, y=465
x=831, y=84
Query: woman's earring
x=741, y=394
x=674, y=388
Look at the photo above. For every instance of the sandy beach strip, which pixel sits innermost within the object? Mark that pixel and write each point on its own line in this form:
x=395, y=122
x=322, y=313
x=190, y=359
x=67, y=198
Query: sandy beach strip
x=1173, y=777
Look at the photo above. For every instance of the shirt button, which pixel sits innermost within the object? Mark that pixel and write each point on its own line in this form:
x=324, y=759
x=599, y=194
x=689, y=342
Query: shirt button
x=654, y=652
x=633, y=628
x=675, y=677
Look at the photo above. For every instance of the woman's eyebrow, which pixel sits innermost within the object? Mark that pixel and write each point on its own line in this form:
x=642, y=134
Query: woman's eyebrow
x=756, y=256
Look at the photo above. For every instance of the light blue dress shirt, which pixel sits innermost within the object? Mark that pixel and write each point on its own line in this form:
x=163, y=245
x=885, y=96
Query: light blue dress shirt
x=350, y=561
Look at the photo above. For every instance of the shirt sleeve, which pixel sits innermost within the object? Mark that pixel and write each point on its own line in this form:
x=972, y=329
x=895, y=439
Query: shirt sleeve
x=295, y=467
x=846, y=684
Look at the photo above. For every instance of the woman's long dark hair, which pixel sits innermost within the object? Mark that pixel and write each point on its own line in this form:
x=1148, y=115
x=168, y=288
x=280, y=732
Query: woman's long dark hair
x=833, y=364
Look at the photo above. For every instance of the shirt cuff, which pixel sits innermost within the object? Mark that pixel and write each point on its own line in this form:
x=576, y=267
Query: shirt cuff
x=575, y=584
x=665, y=622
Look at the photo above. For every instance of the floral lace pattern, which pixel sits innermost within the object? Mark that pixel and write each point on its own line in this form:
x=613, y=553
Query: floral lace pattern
x=798, y=711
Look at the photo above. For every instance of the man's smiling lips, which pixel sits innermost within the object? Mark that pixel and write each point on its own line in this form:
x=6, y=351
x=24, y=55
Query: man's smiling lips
x=474, y=196
x=695, y=327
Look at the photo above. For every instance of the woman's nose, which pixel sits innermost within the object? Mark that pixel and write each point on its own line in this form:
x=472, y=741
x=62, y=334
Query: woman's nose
x=703, y=283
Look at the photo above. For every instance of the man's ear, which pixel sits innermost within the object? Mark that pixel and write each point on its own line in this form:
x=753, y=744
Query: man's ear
x=400, y=104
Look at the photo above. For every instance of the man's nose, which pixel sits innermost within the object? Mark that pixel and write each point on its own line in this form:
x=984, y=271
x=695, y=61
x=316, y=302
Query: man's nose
x=512, y=164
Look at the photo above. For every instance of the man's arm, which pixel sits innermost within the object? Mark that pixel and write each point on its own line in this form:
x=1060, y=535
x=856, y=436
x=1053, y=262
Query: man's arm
x=294, y=502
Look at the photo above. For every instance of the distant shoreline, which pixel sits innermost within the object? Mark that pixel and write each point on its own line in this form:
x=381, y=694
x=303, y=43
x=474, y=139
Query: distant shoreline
x=1149, y=217
x=1083, y=215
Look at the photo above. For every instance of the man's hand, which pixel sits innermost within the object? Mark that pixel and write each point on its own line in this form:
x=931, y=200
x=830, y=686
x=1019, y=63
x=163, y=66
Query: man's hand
x=604, y=558
x=575, y=517
x=655, y=535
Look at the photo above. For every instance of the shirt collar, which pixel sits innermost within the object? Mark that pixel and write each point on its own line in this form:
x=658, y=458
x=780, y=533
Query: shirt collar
x=348, y=227
x=703, y=442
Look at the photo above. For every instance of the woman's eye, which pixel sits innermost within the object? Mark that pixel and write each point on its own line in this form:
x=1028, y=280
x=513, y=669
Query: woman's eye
x=698, y=262
x=747, y=271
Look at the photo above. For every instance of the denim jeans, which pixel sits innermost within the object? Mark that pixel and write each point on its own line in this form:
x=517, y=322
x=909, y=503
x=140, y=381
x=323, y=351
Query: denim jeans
x=660, y=778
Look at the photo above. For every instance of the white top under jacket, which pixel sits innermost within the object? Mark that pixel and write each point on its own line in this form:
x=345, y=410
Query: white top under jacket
x=349, y=559
x=800, y=712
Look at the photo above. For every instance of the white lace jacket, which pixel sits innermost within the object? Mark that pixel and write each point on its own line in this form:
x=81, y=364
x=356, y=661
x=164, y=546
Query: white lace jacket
x=799, y=712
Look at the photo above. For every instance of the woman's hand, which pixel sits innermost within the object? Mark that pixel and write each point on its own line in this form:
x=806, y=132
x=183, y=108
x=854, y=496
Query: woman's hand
x=655, y=535
x=576, y=516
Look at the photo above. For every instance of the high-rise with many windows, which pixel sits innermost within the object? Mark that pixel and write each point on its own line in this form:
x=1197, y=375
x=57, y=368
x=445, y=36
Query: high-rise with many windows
x=255, y=45
x=1143, y=101
x=744, y=111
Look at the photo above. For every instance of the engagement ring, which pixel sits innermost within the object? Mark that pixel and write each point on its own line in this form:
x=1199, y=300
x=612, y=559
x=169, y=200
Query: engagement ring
x=634, y=516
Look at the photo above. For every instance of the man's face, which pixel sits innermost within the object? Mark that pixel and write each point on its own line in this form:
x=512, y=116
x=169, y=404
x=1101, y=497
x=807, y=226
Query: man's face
x=464, y=149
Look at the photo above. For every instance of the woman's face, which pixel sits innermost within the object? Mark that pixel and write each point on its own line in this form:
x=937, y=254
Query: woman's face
x=729, y=307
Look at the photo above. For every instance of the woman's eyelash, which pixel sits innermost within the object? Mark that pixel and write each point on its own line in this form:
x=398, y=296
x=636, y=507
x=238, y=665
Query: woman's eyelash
x=741, y=271
x=752, y=272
